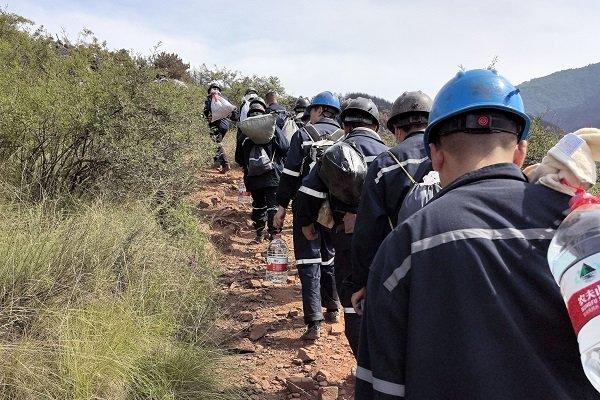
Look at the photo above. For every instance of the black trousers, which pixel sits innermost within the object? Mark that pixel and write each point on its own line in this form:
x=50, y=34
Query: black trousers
x=264, y=207
x=217, y=136
x=315, y=263
x=343, y=281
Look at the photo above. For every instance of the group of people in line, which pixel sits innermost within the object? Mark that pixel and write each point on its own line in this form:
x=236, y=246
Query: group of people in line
x=454, y=300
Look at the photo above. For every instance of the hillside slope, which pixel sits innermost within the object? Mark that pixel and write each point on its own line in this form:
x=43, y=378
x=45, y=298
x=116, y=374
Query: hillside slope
x=569, y=99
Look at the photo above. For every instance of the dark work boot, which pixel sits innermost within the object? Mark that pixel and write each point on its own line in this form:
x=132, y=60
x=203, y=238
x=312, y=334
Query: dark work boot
x=313, y=331
x=332, y=316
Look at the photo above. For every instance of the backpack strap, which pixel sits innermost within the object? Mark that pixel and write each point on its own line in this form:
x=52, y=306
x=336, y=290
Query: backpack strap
x=313, y=133
x=401, y=166
x=337, y=135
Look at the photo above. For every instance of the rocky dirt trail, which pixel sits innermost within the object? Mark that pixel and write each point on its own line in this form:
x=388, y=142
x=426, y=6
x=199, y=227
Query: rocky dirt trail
x=262, y=323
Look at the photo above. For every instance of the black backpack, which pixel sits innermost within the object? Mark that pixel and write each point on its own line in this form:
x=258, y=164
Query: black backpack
x=259, y=162
x=343, y=170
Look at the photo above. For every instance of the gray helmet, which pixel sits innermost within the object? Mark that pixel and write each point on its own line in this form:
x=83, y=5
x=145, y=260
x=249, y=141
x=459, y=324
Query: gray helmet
x=213, y=85
x=344, y=104
x=410, y=108
x=250, y=90
x=257, y=104
x=361, y=110
x=301, y=103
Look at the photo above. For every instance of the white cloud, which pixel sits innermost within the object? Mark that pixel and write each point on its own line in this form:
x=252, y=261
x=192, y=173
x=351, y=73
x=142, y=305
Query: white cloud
x=380, y=47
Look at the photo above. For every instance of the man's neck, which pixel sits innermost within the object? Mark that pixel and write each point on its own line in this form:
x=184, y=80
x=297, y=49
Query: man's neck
x=466, y=166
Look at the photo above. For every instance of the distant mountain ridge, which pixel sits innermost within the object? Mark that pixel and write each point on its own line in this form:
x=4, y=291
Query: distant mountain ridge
x=381, y=103
x=569, y=99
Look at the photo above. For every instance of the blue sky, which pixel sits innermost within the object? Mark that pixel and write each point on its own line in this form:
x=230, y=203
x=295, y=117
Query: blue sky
x=380, y=47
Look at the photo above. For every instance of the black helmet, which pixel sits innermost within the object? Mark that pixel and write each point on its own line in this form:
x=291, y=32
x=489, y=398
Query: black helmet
x=257, y=104
x=213, y=85
x=410, y=108
x=361, y=110
x=301, y=103
x=250, y=90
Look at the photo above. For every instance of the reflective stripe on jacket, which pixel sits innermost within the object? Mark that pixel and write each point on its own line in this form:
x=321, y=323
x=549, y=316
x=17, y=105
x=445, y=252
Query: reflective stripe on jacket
x=461, y=303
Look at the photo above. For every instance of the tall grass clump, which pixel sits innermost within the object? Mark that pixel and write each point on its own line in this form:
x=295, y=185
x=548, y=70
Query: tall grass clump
x=105, y=303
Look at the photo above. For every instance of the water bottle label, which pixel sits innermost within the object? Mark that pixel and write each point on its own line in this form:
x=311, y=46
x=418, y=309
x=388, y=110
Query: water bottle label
x=277, y=264
x=581, y=289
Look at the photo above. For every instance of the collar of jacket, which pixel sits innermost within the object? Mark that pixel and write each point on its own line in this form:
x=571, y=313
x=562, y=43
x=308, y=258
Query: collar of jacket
x=415, y=133
x=364, y=132
x=327, y=121
x=495, y=171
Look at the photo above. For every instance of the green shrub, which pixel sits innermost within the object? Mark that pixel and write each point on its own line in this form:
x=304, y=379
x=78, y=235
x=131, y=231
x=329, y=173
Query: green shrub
x=77, y=118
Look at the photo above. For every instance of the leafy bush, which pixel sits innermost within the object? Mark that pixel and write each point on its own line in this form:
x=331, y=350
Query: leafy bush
x=103, y=303
x=77, y=118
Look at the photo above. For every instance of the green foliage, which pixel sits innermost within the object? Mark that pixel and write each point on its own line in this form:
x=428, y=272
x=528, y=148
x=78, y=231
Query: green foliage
x=102, y=295
x=540, y=140
x=103, y=303
x=77, y=118
x=173, y=66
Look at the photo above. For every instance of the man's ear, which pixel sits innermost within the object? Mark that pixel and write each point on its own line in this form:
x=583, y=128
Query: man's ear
x=520, y=153
x=437, y=156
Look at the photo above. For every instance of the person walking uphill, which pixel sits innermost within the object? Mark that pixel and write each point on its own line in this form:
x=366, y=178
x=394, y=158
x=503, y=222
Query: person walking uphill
x=389, y=179
x=301, y=116
x=249, y=94
x=314, y=258
x=460, y=301
x=218, y=129
x=262, y=166
x=360, y=119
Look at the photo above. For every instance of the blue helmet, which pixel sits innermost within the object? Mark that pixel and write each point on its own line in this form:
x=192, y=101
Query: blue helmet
x=325, y=99
x=473, y=90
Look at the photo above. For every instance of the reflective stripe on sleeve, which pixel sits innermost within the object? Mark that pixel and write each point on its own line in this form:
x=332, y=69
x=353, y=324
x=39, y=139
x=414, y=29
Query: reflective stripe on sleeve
x=379, y=385
x=396, y=166
x=290, y=172
x=463, y=234
x=308, y=261
x=399, y=273
x=349, y=310
x=328, y=262
x=313, y=193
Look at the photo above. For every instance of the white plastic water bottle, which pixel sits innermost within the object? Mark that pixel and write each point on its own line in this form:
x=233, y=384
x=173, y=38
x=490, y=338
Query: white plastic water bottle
x=243, y=194
x=277, y=260
x=574, y=259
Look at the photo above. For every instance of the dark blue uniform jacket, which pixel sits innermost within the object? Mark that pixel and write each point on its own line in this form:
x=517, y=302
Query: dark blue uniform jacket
x=278, y=145
x=313, y=191
x=461, y=303
x=297, y=156
x=384, y=189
